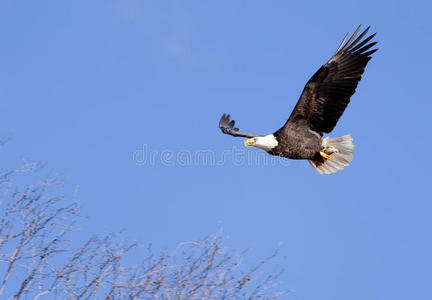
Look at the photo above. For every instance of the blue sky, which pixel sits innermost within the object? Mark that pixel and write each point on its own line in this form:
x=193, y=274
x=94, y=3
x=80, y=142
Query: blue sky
x=86, y=84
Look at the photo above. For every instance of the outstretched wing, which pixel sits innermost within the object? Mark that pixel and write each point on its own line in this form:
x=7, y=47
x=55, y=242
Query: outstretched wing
x=328, y=92
x=227, y=127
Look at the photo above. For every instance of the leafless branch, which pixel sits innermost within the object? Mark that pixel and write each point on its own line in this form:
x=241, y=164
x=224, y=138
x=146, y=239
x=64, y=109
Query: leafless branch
x=37, y=260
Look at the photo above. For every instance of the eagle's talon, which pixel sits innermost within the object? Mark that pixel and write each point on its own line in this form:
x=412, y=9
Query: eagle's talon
x=325, y=156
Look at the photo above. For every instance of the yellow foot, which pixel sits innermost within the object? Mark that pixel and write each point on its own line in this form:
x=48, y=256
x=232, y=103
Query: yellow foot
x=325, y=156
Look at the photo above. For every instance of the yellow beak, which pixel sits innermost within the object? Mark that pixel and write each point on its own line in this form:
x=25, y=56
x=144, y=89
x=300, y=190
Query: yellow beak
x=249, y=142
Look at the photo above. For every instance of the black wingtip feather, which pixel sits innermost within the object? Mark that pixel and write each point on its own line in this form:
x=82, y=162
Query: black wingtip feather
x=367, y=47
x=370, y=52
x=363, y=42
x=342, y=44
x=351, y=38
x=358, y=39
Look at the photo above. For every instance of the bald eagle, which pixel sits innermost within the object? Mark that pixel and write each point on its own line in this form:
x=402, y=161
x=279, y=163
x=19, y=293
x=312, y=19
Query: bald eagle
x=324, y=99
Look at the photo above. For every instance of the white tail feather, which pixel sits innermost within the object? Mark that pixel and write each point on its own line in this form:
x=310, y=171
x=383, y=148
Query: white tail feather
x=340, y=159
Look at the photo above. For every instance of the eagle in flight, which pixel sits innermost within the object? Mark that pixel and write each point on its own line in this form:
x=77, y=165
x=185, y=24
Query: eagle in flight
x=323, y=101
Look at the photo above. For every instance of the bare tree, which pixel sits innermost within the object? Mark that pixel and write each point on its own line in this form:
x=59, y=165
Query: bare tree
x=38, y=261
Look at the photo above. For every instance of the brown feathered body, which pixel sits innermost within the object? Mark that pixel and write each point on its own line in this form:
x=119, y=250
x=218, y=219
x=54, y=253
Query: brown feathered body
x=297, y=141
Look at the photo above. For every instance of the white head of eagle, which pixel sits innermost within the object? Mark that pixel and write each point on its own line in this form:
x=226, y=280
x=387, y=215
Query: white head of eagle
x=266, y=143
